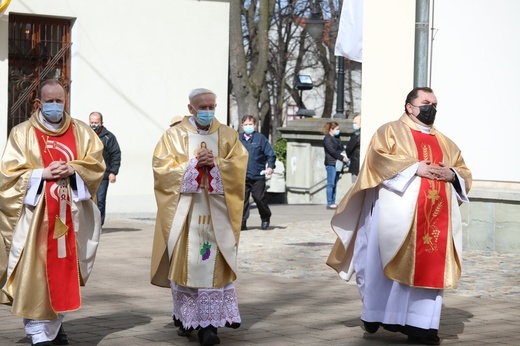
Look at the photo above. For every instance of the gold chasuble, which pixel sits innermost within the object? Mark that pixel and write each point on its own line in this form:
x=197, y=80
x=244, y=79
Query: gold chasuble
x=199, y=210
x=420, y=229
x=47, y=249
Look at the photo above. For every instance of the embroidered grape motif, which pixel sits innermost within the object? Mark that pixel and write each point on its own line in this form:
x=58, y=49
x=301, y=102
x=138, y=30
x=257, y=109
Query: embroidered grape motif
x=205, y=251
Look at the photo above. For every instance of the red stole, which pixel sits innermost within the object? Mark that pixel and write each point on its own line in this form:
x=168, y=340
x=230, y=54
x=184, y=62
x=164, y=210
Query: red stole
x=432, y=219
x=62, y=261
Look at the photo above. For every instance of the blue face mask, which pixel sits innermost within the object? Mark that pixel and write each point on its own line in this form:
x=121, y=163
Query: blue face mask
x=205, y=117
x=356, y=127
x=336, y=133
x=249, y=129
x=53, y=111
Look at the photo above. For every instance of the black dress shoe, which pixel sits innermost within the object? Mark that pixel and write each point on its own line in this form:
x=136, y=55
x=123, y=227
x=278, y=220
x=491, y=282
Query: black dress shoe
x=371, y=327
x=61, y=338
x=243, y=227
x=265, y=224
x=208, y=336
x=184, y=332
x=233, y=325
x=425, y=340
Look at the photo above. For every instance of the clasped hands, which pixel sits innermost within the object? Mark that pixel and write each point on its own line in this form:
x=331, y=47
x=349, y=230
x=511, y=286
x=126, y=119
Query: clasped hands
x=435, y=172
x=57, y=170
x=205, y=158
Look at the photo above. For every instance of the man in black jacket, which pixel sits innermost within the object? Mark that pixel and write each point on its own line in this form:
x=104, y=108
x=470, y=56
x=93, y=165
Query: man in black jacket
x=353, y=148
x=111, y=155
x=260, y=154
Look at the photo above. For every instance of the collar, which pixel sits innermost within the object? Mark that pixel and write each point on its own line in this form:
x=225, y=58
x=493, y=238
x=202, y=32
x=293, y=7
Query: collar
x=199, y=130
x=48, y=124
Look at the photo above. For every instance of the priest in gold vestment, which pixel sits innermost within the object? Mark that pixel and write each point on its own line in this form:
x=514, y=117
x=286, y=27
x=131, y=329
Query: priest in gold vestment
x=399, y=226
x=199, y=171
x=49, y=225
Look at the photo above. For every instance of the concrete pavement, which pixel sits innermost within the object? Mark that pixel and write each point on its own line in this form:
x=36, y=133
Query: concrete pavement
x=287, y=295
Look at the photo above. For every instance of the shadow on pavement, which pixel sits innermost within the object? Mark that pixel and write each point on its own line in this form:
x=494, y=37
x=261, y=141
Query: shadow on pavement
x=106, y=325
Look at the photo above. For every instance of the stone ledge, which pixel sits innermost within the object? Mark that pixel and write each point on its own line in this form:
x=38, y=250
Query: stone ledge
x=496, y=191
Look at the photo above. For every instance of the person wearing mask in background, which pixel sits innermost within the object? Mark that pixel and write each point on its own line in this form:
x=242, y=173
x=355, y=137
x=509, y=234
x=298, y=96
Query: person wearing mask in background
x=112, y=156
x=334, y=151
x=353, y=149
x=49, y=225
x=260, y=154
x=399, y=227
x=199, y=169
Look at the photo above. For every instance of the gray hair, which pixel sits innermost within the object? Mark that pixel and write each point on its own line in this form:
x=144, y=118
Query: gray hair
x=200, y=91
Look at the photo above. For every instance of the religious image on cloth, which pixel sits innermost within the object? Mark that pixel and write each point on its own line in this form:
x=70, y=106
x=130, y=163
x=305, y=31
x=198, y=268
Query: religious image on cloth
x=202, y=246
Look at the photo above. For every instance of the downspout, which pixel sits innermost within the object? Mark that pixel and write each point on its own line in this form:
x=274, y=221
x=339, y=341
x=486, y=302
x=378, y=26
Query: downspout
x=422, y=17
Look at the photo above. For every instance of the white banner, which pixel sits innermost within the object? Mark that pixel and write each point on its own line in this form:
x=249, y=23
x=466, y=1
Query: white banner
x=350, y=34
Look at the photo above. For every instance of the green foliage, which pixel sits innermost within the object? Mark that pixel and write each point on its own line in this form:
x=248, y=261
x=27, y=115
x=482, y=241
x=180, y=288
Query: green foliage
x=280, y=149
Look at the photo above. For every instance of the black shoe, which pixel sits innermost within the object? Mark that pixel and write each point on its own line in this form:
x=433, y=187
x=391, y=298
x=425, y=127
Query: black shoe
x=371, y=327
x=233, y=325
x=61, y=338
x=43, y=343
x=208, y=336
x=243, y=227
x=265, y=224
x=184, y=332
x=425, y=340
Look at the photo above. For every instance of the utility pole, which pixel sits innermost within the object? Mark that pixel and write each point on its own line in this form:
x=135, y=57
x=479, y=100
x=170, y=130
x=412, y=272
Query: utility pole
x=422, y=23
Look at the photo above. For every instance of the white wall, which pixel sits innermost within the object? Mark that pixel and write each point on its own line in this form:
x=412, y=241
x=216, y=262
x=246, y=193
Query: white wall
x=475, y=74
x=388, y=52
x=475, y=70
x=136, y=62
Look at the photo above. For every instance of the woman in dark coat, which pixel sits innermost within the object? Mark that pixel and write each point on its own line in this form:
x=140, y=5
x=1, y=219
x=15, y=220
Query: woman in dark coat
x=333, y=152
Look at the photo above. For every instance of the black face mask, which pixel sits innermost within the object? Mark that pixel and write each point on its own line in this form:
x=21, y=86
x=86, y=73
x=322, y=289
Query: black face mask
x=427, y=114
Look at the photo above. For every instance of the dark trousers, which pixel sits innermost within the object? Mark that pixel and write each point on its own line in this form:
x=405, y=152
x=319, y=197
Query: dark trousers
x=256, y=188
x=101, y=198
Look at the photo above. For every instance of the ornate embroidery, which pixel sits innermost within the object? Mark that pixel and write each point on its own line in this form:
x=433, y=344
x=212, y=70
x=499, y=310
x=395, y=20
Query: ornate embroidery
x=432, y=220
x=216, y=181
x=432, y=208
x=189, y=182
x=203, y=229
x=205, y=307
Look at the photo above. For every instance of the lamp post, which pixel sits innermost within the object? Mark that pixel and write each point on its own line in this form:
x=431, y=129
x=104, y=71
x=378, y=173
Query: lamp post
x=340, y=92
x=314, y=26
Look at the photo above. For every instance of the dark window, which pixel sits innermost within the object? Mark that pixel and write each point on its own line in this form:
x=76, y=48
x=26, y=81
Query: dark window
x=39, y=49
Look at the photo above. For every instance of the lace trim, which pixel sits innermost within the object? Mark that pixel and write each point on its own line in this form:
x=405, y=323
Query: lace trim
x=216, y=181
x=189, y=182
x=204, y=307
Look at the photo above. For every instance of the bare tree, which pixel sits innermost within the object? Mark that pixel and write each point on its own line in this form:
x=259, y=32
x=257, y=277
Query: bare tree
x=269, y=47
x=249, y=29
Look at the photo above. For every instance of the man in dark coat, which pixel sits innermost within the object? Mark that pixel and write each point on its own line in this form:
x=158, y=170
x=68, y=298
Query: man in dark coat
x=260, y=154
x=353, y=148
x=111, y=155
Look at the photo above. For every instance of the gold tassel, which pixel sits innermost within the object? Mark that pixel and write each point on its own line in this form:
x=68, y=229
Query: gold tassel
x=60, y=229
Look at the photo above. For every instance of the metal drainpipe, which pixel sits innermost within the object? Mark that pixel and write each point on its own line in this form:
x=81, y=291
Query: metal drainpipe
x=422, y=17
